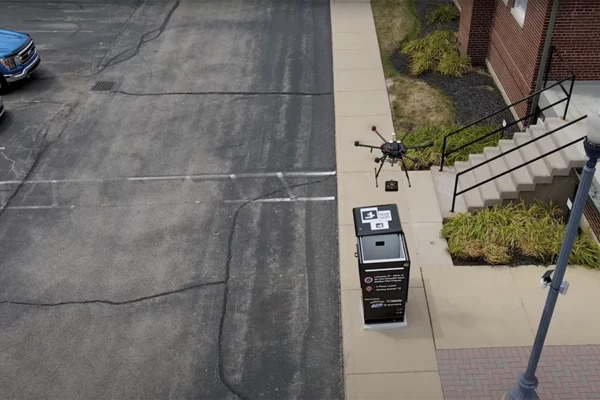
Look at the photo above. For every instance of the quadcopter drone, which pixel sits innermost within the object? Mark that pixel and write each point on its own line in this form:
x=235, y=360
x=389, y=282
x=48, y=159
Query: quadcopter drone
x=393, y=152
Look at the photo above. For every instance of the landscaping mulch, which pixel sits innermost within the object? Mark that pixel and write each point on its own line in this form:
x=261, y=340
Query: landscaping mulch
x=517, y=261
x=474, y=95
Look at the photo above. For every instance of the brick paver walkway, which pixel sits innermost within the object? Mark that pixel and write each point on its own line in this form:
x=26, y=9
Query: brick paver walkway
x=564, y=372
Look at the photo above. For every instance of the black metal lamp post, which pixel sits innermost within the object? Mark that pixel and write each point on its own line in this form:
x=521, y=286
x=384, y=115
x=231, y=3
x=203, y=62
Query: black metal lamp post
x=527, y=381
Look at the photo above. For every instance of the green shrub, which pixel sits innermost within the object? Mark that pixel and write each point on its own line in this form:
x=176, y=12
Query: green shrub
x=453, y=64
x=443, y=13
x=432, y=156
x=436, y=51
x=500, y=233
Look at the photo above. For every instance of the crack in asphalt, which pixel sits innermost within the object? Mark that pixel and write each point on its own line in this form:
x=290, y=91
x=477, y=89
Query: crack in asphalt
x=42, y=150
x=224, y=282
x=208, y=93
x=111, y=302
x=145, y=38
x=232, y=233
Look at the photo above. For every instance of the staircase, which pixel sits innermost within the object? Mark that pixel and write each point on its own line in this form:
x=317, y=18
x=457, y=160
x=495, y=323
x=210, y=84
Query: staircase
x=538, y=163
x=533, y=158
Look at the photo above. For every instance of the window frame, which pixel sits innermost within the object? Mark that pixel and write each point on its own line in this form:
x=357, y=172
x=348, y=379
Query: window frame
x=518, y=10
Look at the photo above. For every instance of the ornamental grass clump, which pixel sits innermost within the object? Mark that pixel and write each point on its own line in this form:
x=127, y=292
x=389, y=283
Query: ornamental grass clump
x=437, y=51
x=443, y=13
x=432, y=156
x=500, y=234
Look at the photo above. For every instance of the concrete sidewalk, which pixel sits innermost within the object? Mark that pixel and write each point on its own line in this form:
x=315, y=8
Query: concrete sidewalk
x=459, y=318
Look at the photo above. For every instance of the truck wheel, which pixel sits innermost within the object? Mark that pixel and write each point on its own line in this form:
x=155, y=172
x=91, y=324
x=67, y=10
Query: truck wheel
x=3, y=85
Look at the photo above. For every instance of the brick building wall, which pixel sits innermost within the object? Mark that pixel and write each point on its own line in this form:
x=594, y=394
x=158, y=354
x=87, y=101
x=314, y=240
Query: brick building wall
x=515, y=51
x=577, y=38
x=474, y=28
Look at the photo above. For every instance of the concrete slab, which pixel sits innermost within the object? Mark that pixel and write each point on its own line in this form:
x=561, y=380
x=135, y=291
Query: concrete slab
x=422, y=199
x=353, y=25
x=354, y=41
x=355, y=159
x=359, y=128
x=356, y=59
x=349, y=279
x=576, y=319
x=473, y=307
x=358, y=190
x=346, y=80
x=361, y=103
x=431, y=247
x=409, y=385
x=409, y=349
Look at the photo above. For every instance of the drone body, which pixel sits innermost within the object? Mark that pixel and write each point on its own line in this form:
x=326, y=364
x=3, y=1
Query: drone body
x=393, y=152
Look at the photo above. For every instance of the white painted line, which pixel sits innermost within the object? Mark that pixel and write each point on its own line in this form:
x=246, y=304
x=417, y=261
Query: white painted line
x=237, y=186
x=2, y=148
x=326, y=198
x=54, y=195
x=324, y=173
x=284, y=200
x=117, y=205
x=43, y=31
x=179, y=177
x=285, y=185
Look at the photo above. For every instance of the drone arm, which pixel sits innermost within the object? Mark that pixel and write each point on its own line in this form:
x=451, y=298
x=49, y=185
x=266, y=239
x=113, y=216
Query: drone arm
x=423, y=146
x=415, y=161
x=358, y=144
x=405, y=135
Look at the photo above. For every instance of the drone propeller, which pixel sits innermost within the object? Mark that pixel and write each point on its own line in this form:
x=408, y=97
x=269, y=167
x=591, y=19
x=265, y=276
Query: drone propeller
x=374, y=129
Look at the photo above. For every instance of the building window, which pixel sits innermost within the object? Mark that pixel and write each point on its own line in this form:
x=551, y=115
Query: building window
x=518, y=11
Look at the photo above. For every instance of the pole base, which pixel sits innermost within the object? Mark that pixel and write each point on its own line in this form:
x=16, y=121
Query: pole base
x=524, y=390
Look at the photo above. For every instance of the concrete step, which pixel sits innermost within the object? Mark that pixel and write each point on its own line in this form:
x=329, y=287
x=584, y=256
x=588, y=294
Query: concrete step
x=521, y=176
x=505, y=185
x=488, y=191
x=573, y=155
x=472, y=199
x=538, y=170
x=555, y=162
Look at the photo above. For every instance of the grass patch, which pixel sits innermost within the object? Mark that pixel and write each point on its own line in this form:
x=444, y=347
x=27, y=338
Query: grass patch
x=443, y=13
x=500, y=234
x=437, y=51
x=395, y=22
x=416, y=103
x=432, y=156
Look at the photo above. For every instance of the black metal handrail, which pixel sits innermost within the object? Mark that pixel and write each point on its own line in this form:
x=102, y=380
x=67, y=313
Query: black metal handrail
x=498, y=130
x=548, y=72
x=508, y=171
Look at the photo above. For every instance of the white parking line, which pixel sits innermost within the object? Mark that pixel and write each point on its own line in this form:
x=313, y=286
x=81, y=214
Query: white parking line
x=196, y=177
x=117, y=205
x=285, y=185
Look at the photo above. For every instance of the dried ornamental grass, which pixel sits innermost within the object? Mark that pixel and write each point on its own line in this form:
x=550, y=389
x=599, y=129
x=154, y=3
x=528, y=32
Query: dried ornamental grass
x=501, y=233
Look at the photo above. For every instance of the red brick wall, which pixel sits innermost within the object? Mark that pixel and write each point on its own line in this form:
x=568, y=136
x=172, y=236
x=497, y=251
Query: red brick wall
x=515, y=51
x=474, y=28
x=577, y=38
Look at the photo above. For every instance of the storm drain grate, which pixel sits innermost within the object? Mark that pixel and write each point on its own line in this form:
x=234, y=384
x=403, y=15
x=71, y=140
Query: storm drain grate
x=103, y=86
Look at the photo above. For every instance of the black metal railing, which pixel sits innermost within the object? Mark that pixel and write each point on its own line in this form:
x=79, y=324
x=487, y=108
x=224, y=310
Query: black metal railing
x=549, y=74
x=500, y=131
x=457, y=193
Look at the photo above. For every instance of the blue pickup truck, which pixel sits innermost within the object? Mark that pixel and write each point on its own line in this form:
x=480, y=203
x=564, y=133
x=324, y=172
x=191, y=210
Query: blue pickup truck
x=18, y=57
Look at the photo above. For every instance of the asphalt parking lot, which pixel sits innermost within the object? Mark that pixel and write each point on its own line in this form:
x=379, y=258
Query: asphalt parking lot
x=174, y=236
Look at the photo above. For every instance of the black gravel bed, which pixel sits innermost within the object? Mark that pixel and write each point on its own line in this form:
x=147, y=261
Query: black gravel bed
x=424, y=7
x=518, y=260
x=474, y=95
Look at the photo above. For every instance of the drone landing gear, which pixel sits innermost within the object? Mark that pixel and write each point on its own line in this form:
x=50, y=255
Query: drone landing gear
x=377, y=171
